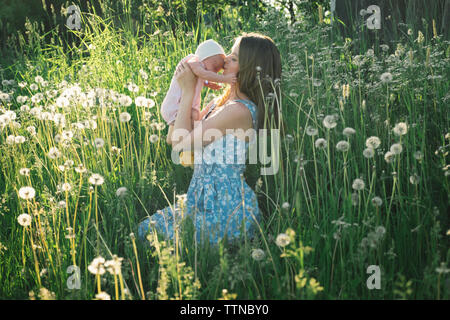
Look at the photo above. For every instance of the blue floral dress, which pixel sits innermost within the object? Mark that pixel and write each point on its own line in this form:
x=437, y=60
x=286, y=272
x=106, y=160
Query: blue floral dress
x=218, y=199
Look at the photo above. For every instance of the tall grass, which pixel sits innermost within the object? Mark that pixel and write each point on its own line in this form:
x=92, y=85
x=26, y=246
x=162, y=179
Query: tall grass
x=320, y=230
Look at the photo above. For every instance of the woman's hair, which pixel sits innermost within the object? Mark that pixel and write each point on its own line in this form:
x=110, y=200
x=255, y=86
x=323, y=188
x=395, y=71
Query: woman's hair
x=259, y=75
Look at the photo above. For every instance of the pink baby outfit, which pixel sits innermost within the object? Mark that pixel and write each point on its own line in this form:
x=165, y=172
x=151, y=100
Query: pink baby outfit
x=171, y=103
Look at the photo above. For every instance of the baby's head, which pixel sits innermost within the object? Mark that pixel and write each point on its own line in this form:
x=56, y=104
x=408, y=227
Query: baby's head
x=211, y=54
x=214, y=63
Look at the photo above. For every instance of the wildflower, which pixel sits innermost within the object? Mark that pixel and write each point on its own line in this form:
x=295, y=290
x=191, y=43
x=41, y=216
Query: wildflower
x=140, y=101
x=99, y=143
x=102, y=296
x=311, y=131
x=133, y=87
x=285, y=206
x=122, y=191
x=33, y=87
x=368, y=153
x=386, y=77
x=282, y=240
x=258, y=254
x=389, y=157
x=96, y=179
x=418, y=155
x=125, y=101
x=348, y=132
x=54, y=153
x=414, y=179
x=45, y=294
x=329, y=122
x=358, y=184
x=115, y=150
x=113, y=266
x=62, y=205
x=24, y=220
x=97, y=266
x=376, y=201
x=321, y=143
x=19, y=139
x=80, y=168
x=384, y=47
x=380, y=231
x=410, y=32
x=124, y=117
x=66, y=187
x=24, y=172
x=420, y=38
x=343, y=146
x=396, y=148
x=154, y=138
x=400, y=129
x=442, y=269
x=10, y=139
x=373, y=142
x=27, y=193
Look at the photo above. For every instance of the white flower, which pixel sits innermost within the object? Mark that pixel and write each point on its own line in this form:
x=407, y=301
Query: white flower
x=24, y=220
x=10, y=139
x=389, y=157
x=358, y=184
x=133, y=87
x=33, y=87
x=19, y=139
x=282, y=240
x=124, y=117
x=329, y=122
x=154, y=138
x=321, y=143
x=258, y=254
x=125, y=101
x=285, y=206
x=368, y=153
x=386, y=77
x=54, y=153
x=66, y=187
x=122, y=191
x=27, y=193
x=80, y=168
x=373, y=142
x=396, y=148
x=96, y=179
x=99, y=143
x=376, y=201
x=418, y=155
x=113, y=266
x=102, y=296
x=343, y=146
x=97, y=266
x=311, y=131
x=24, y=171
x=38, y=79
x=400, y=129
x=348, y=132
x=414, y=179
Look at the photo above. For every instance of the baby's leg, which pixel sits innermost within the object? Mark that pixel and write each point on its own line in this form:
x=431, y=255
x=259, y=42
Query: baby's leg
x=195, y=115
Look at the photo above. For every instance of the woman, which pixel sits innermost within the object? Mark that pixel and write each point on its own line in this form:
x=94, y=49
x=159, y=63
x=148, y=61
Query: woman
x=218, y=200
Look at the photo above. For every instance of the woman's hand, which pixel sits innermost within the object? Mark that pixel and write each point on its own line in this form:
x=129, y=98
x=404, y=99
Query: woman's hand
x=185, y=77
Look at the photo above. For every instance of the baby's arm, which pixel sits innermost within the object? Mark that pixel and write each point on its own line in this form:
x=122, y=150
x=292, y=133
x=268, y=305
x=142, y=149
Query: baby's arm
x=202, y=73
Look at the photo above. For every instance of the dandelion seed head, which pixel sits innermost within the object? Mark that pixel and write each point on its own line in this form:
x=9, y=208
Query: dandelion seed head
x=342, y=146
x=258, y=254
x=27, y=193
x=24, y=220
x=282, y=240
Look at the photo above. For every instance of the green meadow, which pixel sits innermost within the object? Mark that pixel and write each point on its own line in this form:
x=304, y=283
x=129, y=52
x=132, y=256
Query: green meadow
x=363, y=176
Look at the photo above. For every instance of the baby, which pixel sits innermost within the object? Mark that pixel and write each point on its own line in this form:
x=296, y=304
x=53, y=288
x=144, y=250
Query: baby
x=205, y=63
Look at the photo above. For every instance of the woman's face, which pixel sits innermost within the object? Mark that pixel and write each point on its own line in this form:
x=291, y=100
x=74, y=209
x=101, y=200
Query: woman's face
x=231, y=64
